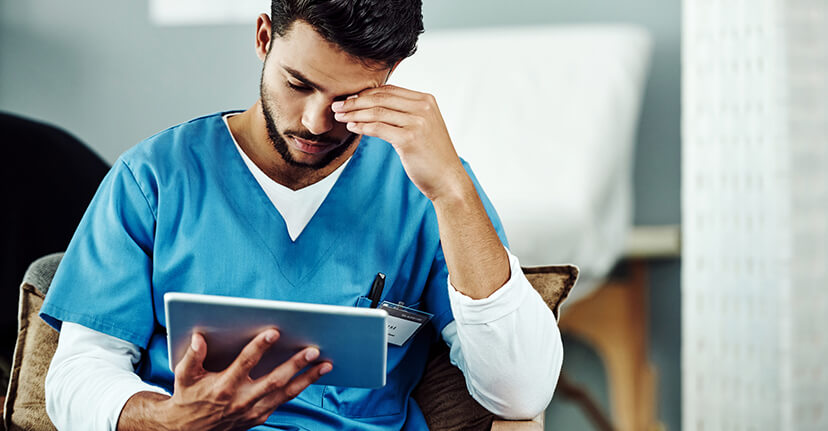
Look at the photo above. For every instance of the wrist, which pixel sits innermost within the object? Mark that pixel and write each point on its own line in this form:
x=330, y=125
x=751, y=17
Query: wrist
x=166, y=414
x=147, y=410
x=458, y=190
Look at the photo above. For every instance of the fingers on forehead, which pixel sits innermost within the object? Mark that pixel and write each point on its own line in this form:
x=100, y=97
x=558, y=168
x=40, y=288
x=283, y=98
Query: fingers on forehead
x=387, y=90
x=382, y=97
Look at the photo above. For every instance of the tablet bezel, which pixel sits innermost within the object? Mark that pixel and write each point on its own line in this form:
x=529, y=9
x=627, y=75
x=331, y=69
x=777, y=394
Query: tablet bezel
x=358, y=354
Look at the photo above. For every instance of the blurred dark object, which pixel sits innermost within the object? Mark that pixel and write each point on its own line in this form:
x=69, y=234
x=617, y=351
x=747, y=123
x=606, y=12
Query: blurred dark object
x=49, y=178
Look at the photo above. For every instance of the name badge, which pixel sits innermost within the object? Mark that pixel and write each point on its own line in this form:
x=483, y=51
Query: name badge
x=403, y=322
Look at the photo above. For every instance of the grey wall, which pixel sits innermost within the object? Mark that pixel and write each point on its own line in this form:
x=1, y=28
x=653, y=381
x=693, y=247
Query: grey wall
x=100, y=70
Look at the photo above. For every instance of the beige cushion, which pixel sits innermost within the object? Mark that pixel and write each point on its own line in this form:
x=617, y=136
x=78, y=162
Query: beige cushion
x=441, y=394
x=25, y=407
x=553, y=283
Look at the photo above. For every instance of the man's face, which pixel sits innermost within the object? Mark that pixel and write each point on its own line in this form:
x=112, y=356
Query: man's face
x=302, y=75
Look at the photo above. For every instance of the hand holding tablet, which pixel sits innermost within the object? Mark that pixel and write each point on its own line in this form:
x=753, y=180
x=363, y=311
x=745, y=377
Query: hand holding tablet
x=231, y=399
x=352, y=339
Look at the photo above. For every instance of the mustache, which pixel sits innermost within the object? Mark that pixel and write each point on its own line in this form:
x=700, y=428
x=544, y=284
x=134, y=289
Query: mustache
x=308, y=136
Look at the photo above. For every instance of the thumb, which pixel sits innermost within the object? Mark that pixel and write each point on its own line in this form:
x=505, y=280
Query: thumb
x=191, y=366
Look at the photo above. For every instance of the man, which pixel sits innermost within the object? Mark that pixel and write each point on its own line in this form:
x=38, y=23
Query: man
x=330, y=177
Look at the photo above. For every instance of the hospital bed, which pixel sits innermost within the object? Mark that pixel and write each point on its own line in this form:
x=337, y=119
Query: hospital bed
x=546, y=117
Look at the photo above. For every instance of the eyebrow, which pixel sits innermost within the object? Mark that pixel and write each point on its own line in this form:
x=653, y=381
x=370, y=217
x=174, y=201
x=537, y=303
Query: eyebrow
x=298, y=75
x=304, y=80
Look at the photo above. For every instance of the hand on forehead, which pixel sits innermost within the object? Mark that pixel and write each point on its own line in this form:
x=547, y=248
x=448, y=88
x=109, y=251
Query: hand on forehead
x=385, y=96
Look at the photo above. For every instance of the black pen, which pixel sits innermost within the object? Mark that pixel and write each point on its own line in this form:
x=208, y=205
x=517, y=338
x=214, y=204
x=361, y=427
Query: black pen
x=376, y=289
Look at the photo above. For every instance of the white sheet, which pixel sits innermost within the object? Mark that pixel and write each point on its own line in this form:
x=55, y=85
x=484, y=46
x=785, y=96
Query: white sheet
x=552, y=112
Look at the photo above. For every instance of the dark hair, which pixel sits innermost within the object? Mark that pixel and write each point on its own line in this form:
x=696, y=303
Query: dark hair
x=373, y=31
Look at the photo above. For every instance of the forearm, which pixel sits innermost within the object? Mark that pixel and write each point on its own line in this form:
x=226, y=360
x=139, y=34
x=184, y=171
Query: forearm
x=475, y=257
x=144, y=411
x=91, y=369
x=412, y=123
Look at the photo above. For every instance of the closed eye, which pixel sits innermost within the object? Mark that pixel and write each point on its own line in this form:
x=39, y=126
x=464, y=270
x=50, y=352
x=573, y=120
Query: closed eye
x=297, y=87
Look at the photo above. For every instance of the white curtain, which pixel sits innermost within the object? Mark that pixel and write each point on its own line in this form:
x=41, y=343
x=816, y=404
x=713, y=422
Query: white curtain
x=755, y=215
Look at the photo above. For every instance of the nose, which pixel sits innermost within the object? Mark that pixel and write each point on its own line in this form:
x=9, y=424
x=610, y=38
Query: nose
x=318, y=117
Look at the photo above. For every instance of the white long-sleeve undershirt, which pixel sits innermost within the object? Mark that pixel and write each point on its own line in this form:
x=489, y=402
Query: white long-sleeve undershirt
x=507, y=345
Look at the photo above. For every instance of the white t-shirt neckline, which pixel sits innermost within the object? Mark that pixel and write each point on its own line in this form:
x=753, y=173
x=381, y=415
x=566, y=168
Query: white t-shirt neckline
x=296, y=207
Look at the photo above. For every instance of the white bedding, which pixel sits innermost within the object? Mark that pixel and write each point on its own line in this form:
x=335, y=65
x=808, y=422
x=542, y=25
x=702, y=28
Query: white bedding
x=547, y=118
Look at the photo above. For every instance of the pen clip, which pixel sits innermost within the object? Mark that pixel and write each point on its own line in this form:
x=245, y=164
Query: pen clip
x=376, y=289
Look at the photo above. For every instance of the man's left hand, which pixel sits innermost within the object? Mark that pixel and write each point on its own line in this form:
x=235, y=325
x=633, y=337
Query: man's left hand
x=412, y=123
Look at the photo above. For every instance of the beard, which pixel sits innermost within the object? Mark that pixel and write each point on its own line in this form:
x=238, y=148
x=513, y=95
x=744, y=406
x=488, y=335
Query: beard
x=281, y=146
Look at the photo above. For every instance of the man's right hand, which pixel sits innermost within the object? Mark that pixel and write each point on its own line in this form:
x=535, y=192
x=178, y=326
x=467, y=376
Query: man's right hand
x=227, y=400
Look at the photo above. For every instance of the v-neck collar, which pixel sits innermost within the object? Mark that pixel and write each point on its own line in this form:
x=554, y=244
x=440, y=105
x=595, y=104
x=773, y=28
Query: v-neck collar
x=297, y=260
x=296, y=207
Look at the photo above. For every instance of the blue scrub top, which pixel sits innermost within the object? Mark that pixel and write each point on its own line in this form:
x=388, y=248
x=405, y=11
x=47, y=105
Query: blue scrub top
x=181, y=212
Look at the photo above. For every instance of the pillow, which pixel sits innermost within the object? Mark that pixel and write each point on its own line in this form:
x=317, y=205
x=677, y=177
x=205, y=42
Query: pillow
x=442, y=394
x=25, y=407
x=553, y=283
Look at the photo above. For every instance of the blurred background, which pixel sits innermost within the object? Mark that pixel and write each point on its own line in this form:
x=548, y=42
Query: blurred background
x=604, y=82
x=114, y=73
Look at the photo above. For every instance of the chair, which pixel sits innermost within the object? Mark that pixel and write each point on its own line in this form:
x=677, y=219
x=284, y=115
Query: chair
x=442, y=393
x=53, y=176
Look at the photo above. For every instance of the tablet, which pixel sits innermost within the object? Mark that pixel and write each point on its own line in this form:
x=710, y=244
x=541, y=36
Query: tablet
x=352, y=339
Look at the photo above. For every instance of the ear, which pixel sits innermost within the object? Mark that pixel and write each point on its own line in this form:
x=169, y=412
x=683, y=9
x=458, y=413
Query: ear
x=263, y=36
x=393, y=68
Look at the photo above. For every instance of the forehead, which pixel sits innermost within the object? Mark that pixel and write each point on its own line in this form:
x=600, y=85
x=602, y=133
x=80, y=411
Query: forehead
x=324, y=63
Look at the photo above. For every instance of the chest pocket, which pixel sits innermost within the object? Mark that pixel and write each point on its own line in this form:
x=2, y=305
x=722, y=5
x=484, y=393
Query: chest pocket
x=367, y=403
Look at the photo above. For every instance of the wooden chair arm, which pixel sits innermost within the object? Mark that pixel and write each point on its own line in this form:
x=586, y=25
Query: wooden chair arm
x=535, y=424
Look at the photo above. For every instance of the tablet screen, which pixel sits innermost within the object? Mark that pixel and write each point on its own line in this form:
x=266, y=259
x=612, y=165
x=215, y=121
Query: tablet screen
x=352, y=339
